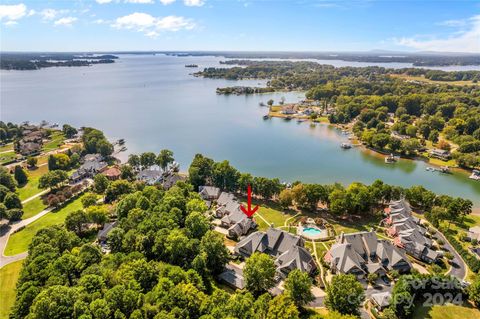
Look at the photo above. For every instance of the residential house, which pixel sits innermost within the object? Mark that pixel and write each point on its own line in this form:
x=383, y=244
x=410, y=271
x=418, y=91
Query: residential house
x=29, y=148
x=233, y=276
x=441, y=154
x=232, y=217
x=363, y=253
x=289, y=109
x=381, y=300
x=93, y=164
x=113, y=173
x=287, y=249
x=408, y=233
x=171, y=178
x=103, y=233
x=150, y=176
x=209, y=193
x=399, y=136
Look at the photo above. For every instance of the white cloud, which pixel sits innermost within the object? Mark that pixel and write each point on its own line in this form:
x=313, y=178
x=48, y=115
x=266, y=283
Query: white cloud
x=465, y=40
x=140, y=1
x=166, y=2
x=31, y=13
x=152, y=26
x=103, y=1
x=51, y=14
x=453, y=23
x=66, y=21
x=194, y=3
x=12, y=12
x=11, y=23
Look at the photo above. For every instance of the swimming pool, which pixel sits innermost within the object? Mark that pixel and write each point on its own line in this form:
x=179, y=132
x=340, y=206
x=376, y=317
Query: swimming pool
x=311, y=231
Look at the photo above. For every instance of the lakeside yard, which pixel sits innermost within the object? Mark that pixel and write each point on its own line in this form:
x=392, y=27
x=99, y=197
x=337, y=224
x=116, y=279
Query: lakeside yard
x=33, y=207
x=31, y=187
x=56, y=139
x=8, y=279
x=446, y=312
x=19, y=241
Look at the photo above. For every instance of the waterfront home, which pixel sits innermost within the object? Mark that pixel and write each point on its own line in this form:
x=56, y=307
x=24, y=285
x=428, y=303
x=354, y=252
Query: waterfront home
x=440, y=154
x=93, y=164
x=363, y=253
x=171, y=178
x=113, y=173
x=287, y=249
x=408, y=232
x=29, y=148
x=150, y=176
x=399, y=136
x=289, y=109
x=209, y=193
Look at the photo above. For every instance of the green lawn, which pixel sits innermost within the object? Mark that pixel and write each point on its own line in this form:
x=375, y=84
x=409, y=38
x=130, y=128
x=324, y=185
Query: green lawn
x=33, y=207
x=8, y=279
x=7, y=157
x=345, y=226
x=31, y=188
x=20, y=240
x=56, y=139
x=272, y=214
x=6, y=147
x=446, y=312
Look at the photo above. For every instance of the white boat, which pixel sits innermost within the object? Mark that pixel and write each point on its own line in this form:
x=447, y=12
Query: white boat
x=390, y=159
x=475, y=175
x=346, y=145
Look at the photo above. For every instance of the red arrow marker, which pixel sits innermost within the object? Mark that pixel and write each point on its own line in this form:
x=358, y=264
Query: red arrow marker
x=249, y=212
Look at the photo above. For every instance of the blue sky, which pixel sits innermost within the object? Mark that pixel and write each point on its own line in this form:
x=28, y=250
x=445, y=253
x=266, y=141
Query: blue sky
x=296, y=25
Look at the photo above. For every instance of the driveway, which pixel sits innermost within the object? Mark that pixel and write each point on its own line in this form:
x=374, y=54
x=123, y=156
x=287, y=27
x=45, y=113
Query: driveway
x=459, y=269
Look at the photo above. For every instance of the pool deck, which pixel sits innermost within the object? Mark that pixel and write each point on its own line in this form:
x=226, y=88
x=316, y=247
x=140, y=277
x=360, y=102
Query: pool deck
x=320, y=233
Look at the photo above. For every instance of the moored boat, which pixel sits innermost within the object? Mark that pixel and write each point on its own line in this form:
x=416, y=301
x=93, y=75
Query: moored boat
x=475, y=175
x=346, y=146
x=390, y=159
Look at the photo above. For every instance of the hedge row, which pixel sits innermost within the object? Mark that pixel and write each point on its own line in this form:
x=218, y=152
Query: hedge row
x=472, y=261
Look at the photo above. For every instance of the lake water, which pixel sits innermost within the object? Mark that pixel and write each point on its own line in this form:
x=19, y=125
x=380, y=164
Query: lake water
x=154, y=103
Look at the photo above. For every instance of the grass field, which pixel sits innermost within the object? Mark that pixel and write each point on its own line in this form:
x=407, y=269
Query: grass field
x=423, y=79
x=446, y=312
x=31, y=188
x=7, y=157
x=365, y=224
x=273, y=214
x=6, y=147
x=33, y=207
x=19, y=241
x=8, y=279
x=56, y=139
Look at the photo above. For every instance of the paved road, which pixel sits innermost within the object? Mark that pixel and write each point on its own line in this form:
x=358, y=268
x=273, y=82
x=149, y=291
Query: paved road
x=10, y=229
x=459, y=269
x=35, y=196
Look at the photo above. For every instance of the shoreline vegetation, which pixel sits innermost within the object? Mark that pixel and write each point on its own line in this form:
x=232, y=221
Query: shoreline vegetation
x=412, y=113
x=416, y=59
x=36, y=61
